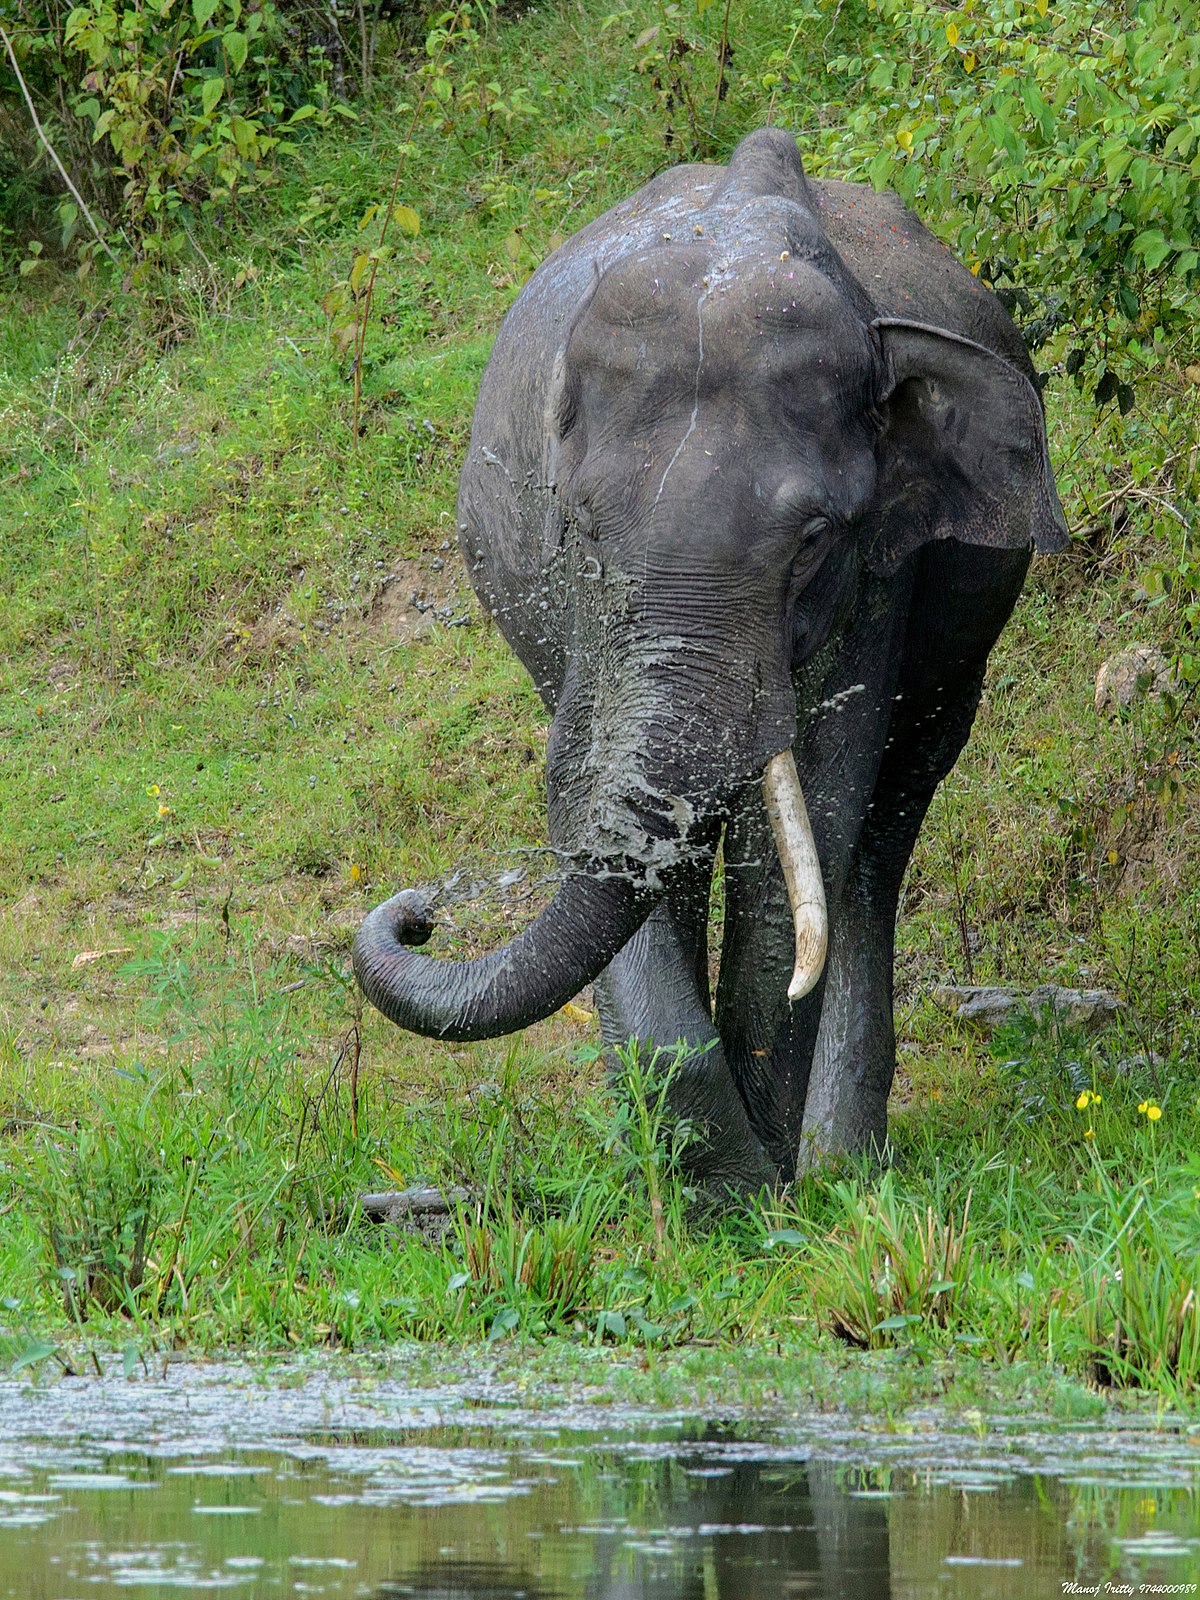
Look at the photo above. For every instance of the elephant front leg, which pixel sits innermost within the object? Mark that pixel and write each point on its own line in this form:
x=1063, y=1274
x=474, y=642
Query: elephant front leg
x=845, y=700
x=854, y=1057
x=962, y=597
x=854, y=1060
x=656, y=993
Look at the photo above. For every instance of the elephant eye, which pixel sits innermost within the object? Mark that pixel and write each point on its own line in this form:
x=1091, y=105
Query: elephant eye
x=810, y=530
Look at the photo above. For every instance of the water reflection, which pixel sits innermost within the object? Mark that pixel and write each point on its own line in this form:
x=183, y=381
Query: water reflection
x=466, y=1580
x=512, y=1505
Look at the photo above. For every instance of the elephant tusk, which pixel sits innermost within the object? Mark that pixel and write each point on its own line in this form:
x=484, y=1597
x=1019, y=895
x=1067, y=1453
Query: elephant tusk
x=801, y=869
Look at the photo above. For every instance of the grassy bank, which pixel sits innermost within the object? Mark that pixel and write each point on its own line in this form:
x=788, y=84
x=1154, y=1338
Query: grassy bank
x=246, y=694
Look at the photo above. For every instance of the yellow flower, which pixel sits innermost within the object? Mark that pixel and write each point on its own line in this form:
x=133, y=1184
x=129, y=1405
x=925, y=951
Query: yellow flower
x=356, y=873
x=152, y=789
x=1143, y=1108
x=1153, y=1113
x=1089, y=1133
x=1082, y=1103
x=164, y=811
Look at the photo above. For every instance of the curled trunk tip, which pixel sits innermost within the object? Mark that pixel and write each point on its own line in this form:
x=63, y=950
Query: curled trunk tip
x=565, y=948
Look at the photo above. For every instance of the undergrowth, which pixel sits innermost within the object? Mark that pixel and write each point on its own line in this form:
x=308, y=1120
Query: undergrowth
x=209, y=1199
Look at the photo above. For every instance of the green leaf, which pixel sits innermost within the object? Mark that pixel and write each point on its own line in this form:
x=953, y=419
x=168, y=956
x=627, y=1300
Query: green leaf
x=203, y=11
x=894, y=1324
x=503, y=1323
x=611, y=1322
x=35, y=1351
x=407, y=221
x=780, y=1236
x=362, y=265
x=211, y=91
x=245, y=137
x=236, y=46
x=1152, y=247
x=647, y=1329
x=458, y=1281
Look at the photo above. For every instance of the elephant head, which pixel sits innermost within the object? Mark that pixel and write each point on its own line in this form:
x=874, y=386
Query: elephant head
x=685, y=489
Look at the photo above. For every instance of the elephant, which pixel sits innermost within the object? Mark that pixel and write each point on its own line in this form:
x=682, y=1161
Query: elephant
x=754, y=479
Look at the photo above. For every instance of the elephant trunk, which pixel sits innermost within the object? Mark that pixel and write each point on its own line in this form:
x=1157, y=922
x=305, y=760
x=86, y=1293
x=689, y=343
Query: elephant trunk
x=589, y=920
x=634, y=799
x=568, y=945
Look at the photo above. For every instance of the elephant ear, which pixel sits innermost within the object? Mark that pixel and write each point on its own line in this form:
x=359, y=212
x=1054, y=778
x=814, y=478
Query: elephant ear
x=963, y=452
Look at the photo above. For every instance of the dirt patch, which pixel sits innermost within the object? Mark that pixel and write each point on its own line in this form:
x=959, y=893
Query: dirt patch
x=275, y=632
x=24, y=908
x=398, y=605
x=416, y=595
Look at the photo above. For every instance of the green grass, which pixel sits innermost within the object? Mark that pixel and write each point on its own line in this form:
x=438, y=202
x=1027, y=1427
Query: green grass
x=218, y=749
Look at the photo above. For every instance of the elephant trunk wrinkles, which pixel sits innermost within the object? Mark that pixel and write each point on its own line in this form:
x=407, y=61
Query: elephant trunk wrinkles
x=658, y=728
x=568, y=945
x=649, y=743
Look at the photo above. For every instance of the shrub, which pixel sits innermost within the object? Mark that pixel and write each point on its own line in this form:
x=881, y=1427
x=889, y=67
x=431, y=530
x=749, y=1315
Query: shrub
x=153, y=111
x=1066, y=141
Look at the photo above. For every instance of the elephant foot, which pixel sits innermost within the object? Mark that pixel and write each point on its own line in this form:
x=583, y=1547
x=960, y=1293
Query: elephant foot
x=730, y=1176
x=822, y=1147
x=653, y=997
x=702, y=1117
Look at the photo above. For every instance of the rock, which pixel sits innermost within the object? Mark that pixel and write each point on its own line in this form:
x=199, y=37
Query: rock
x=422, y=1211
x=988, y=1008
x=1143, y=1066
x=1130, y=674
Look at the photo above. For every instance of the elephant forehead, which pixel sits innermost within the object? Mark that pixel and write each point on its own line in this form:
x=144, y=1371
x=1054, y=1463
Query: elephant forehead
x=704, y=313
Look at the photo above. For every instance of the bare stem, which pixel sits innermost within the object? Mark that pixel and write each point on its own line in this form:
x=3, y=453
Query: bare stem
x=53, y=154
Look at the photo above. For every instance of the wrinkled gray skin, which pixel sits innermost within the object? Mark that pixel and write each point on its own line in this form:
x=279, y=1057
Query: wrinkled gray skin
x=755, y=463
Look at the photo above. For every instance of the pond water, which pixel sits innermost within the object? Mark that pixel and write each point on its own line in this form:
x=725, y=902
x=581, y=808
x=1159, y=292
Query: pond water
x=294, y=1483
